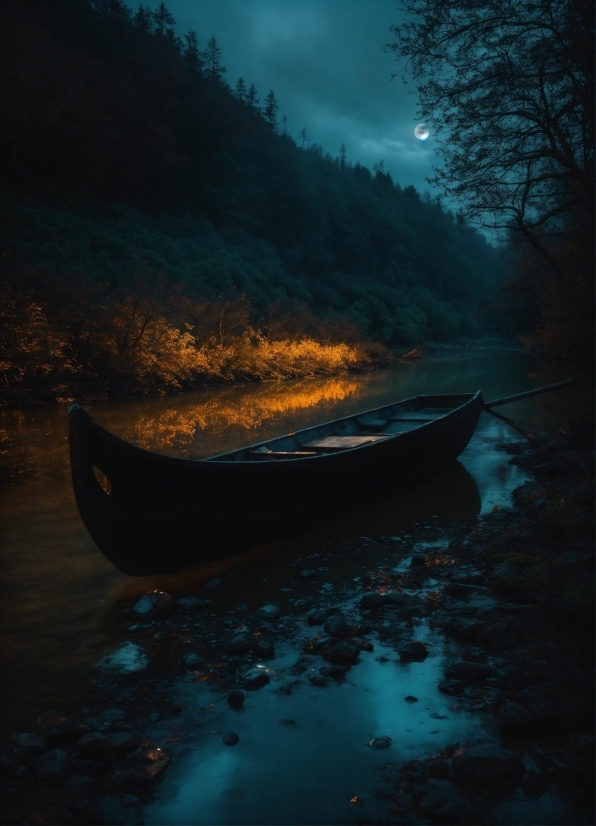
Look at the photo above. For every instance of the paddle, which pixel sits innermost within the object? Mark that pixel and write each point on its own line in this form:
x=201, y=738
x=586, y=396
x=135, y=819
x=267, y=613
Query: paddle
x=506, y=399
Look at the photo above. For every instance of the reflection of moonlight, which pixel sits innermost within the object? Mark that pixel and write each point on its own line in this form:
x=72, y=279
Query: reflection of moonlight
x=422, y=131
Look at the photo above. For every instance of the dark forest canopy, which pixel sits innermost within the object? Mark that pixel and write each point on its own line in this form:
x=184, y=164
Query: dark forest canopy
x=127, y=158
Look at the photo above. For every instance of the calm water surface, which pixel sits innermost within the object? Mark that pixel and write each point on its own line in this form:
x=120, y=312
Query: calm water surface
x=61, y=597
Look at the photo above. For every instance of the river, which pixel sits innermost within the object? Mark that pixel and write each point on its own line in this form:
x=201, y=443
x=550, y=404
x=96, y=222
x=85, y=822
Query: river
x=61, y=598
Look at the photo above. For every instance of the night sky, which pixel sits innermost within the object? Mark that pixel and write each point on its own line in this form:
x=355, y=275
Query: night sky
x=324, y=60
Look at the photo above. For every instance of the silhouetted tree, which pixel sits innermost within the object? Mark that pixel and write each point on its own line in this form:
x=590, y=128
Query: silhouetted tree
x=143, y=19
x=303, y=138
x=191, y=54
x=342, y=157
x=251, y=96
x=241, y=90
x=271, y=109
x=163, y=21
x=212, y=57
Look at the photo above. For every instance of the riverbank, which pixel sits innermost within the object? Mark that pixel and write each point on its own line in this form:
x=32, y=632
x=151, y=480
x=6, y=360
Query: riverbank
x=502, y=613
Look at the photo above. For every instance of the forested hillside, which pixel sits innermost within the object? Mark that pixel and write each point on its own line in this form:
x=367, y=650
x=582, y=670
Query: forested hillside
x=151, y=205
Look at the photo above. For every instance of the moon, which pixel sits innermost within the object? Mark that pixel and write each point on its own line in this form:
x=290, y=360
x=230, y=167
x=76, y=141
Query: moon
x=422, y=131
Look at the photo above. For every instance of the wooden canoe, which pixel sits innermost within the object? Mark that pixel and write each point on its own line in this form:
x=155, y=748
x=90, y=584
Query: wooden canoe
x=150, y=513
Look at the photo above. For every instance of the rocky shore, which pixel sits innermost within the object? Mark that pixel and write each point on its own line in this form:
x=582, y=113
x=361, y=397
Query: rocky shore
x=512, y=598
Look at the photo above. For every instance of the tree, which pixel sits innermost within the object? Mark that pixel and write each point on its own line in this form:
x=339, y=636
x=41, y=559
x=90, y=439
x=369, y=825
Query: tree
x=212, y=57
x=342, y=157
x=241, y=91
x=143, y=19
x=510, y=86
x=303, y=138
x=251, y=96
x=191, y=54
x=271, y=109
x=163, y=20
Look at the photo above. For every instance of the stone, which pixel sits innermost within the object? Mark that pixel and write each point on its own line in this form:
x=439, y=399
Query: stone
x=255, y=678
x=503, y=575
x=53, y=765
x=193, y=604
x=93, y=744
x=334, y=672
x=468, y=628
x=341, y=653
x=127, y=658
x=452, y=687
x=144, y=605
x=437, y=799
x=336, y=626
x=372, y=601
x=57, y=728
x=122, y=743
x=240, y=644
x=318, y=680
x=513, y=717
x=231, y=738
x=143, y=768
x=25, y=744
x=411, y=699
x=77, y=783
x=541, y=702
x=382, y=742
x=414, y=651
x=308, y=573
x=236, y=698
x=216, y=583
x=418, y=561
x=264, y=650
x=468, y=672
x=162, y=601
x=317, y=617
x=489, y=764
x=268, y=612
x=190, y=661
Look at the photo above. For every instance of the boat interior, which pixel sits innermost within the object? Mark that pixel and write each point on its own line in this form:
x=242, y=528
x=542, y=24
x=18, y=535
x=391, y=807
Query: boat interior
x=350, y=432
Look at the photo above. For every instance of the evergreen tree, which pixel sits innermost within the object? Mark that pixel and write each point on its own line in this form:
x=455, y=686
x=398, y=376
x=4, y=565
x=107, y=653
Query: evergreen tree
x=303, y=138
x=191, y=54
x=163, y=20
x=342, y=157
x=251, y=96
x=143, y=19
x=271, y=109
x=241, y=90
x=212, y=57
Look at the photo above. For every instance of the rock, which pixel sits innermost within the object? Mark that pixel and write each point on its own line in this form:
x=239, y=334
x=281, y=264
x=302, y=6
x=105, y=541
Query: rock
x=93, y=744
x=84, y=811
x=318, y=680
x=308, y=574
x=468, y=672
x=77, y=783
x=193, y=604
x=468, y=628
x=255, y=678
x=541, y=702
x=418, y=561
x=317, y=617
x=127, y=658
x=143, y=768
x=319, y=644
x=362, y=645
x=190, y=661
x=503, y=576
x=264, y=650
x=334, y=672
x=53, y=765
x=414, y=651
x=268, y=612
x=411, y=699
x=231, y=738
x=162, y=601
x=488, y=764
x=216, y=583
x=57, y=728
x=452, y=687
x=336, y=626
x=236, y=698
x=513, y=717
x=382, y=742
x=438, y=800
x=122, y=743
x=26, y=744
x=144, y=605
x=240, y=644
x=341, y=653
x=372, y=601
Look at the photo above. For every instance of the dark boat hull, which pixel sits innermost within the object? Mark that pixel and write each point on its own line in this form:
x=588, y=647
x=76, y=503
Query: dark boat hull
x=164, y=514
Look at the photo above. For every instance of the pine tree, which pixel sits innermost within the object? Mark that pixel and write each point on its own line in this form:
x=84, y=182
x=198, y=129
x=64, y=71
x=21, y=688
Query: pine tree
x=163, y=20
x=212, y=57
x=303, y=138
x=251, y=96
x=241, y=91
x=191, y=54
x=342, y=157
x=143, y=19
x=271, y=109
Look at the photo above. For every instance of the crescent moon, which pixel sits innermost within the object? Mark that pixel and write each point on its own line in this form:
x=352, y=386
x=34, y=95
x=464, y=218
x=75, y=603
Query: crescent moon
x=422, y=131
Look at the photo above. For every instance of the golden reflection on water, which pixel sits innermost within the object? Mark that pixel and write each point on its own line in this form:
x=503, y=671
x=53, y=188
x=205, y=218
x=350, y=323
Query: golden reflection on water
x=178, y=426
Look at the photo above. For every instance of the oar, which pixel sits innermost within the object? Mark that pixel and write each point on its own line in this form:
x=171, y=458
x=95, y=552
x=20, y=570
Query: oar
x=506, y=399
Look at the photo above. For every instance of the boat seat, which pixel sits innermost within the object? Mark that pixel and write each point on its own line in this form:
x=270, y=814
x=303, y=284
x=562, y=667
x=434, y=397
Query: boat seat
x=412, y=417
x=330, y=444
x=281, y=454
x=371, y=422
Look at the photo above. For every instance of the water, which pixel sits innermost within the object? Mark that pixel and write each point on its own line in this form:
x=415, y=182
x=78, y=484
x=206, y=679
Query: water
x=61, y=597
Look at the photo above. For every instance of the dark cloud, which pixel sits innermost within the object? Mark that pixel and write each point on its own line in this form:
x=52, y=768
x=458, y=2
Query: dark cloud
x=324, y=60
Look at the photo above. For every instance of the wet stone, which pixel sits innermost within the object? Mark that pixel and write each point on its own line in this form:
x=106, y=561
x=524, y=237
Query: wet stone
x=192, y=604
x=414, y=651
x=334, y=672
x=372, y=602
x=411, y=699
x=468, y=672
x=264, y=650
x=240, y=644
x=190, y=661
x=268, y=612
x=57, y=728
x=452, y=687
x=78, y=783
x=513, y=717
x=143, y=768
x=418, y=561
x=437, y=799
x=336, y=626
x=382, y=742
x=93, y=744
x=307, y=574
x=53, y=765
x=318, y=679
x=341, y=653
x=144, y=605
x=231, y=738
x=255, y=678
x=317, y=617
x=487, y=764
x=236, y=698
x=25, y=744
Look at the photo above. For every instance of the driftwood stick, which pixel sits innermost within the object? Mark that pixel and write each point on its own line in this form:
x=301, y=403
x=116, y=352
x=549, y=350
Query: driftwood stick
x=510, y=422
x=546, y=389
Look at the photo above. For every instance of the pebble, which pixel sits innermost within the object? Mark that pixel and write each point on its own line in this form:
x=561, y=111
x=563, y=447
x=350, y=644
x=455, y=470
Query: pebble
x=255, y=678
x=190, y=661
x=53, y=765
x=236, y=698
x=414, y=651
x=411, y=699
x=452, y=687
x=382, y=742
x=264, y=650
x=308, y=573
x=192, y=604
x=341, y=653
x=231, y=738
x=25, y=744
x=336, y=626
x=268, y=612
x=241, y=644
